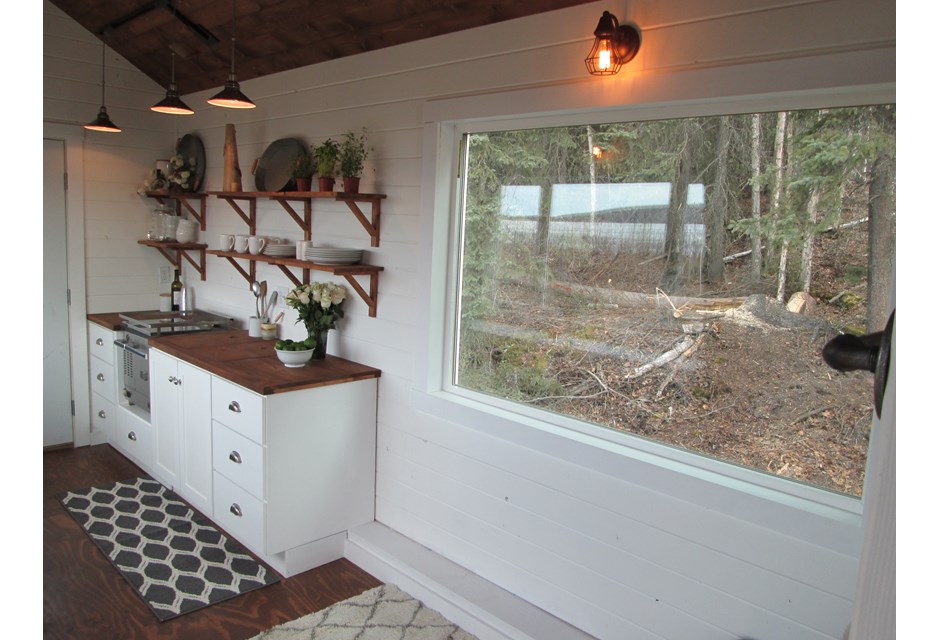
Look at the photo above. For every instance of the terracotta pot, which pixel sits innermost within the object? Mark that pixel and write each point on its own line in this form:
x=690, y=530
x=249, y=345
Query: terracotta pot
x=351, y=184
x=303, y=184
x=325, y=184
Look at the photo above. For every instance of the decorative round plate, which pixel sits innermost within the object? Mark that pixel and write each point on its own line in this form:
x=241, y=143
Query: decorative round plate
x=276, y=166
x=190, y=147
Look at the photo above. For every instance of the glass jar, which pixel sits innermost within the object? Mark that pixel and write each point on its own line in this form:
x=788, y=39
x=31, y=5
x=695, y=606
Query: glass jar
x=268, y=331
x=169, y=223
x=155, y=224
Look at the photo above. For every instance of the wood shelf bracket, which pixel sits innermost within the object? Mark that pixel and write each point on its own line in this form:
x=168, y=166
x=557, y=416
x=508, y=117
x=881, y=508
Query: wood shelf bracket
x=370, y=297
x=371, y=226
x=232, y=198
x=304, y=218
x=175, y=253
x=233, y=258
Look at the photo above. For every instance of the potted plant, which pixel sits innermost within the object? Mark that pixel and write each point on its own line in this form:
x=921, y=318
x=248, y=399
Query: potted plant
x=303, y=172
x=326, y=155
x=352, y=154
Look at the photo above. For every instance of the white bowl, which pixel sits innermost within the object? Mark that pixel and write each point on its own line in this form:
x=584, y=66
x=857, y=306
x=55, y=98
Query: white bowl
x=294, y=359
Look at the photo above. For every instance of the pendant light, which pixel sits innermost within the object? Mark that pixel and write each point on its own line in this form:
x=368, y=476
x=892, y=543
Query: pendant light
x=172, y=103
x=231, y=95
x=102, y=122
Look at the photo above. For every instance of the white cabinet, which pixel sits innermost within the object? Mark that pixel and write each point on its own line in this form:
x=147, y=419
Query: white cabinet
x=104, y=384
x=182, y=428
x=295, y=470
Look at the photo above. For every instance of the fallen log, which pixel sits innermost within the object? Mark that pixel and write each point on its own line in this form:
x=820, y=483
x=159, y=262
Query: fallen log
x=662, y=359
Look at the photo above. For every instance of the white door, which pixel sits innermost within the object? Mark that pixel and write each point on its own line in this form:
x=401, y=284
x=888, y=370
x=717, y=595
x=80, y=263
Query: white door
x=56, y=373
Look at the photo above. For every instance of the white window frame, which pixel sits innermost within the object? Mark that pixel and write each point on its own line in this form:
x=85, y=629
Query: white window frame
x=597, y=447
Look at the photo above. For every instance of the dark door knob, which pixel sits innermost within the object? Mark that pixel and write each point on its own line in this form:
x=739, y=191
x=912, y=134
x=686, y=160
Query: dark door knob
x=871, y=352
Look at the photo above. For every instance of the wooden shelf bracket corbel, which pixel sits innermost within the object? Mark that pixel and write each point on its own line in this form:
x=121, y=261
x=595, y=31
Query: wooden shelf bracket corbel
x=373, y=226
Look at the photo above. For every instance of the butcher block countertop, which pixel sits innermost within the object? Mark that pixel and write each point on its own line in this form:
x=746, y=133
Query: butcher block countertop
x=248, y=362
x=110, y=321
x=252, y=363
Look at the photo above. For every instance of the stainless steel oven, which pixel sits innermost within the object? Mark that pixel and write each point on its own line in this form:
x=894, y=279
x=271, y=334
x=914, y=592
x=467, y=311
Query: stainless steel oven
x=138, y=327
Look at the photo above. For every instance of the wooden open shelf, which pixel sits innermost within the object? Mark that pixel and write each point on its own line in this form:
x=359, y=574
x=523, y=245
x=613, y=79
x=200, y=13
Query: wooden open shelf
x=299, y=206
x=303, y=217
x=349, y=272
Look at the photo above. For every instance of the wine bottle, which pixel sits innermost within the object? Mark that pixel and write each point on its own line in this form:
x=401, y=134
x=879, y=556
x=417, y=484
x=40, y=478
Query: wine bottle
x=176, y=290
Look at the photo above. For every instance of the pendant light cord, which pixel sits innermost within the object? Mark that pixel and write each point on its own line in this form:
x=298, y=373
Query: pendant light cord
x=233, y=39
x=102, y=72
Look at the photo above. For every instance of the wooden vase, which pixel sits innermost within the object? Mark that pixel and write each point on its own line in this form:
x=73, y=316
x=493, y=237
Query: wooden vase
x=232, y=176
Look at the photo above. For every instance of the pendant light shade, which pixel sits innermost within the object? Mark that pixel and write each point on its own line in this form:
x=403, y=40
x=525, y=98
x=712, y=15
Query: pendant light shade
x=102, y=122
x=172, y=103
x=231, y=95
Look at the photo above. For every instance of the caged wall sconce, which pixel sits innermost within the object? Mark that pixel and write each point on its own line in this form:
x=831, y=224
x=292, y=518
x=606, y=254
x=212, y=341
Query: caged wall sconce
x=614, y=46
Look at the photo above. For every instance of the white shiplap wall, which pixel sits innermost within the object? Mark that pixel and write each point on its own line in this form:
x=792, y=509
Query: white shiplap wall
x=618, y=545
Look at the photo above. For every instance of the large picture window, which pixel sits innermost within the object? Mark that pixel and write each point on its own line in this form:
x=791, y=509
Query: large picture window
x=676, y=280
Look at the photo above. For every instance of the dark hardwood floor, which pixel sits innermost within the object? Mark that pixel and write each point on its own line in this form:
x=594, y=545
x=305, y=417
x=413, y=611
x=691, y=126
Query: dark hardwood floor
x=85, y=597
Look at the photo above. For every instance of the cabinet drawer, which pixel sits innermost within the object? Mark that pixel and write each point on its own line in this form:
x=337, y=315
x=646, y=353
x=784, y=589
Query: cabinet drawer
x=102, y=379
x=238, y=409
x=133, y=438
x=238, y=512
x=103, y=416
x=101, y=343
x=238, y=459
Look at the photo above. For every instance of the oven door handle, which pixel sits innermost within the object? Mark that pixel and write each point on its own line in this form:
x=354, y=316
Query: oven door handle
x=133, y=349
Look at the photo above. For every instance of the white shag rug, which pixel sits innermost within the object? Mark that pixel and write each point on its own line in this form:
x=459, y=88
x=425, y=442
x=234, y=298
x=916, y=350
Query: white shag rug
x=383, y=613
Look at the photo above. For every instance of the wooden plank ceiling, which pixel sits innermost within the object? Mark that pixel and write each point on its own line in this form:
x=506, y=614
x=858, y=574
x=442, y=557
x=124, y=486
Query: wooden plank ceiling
x=274, y=35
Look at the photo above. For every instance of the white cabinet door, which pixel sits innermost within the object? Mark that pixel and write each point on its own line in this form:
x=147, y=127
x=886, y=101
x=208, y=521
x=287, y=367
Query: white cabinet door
x=195, y=437
x=165, y=417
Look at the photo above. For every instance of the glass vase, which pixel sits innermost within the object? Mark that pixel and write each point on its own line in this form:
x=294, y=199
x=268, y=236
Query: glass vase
x=319, y=342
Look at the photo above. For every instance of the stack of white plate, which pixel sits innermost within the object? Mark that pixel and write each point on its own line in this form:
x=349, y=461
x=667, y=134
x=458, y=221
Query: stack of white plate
x=333, y=255
x=280, y=250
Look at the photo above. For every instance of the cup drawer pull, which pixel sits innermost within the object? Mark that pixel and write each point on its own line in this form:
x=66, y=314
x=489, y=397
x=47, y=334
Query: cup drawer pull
x=233, y=407
x=236, y=510
x=234, y=457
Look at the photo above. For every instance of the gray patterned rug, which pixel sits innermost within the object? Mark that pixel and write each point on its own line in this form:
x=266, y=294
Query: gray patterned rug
x=383, y=613
x=173, y=556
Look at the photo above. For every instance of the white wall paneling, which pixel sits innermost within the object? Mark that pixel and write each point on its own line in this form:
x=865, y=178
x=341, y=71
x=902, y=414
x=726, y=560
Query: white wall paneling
x=617, y=544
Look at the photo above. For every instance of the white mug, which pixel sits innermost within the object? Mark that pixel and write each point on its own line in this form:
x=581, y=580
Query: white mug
x=256, y=245
x=241, y=244
x=226, y=242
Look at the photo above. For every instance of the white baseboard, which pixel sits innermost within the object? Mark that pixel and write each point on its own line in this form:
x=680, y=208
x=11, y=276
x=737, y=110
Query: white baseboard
x=476, y=605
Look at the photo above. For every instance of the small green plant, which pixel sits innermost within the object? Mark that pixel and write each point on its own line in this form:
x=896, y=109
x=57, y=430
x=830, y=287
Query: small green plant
x=352, y=153
x=326, y=154
x=304, y=166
